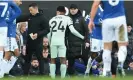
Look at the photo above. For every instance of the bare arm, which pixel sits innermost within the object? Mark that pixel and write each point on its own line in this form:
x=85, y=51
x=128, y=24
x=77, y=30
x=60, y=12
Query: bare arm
x=94, y=8
x=72, y=29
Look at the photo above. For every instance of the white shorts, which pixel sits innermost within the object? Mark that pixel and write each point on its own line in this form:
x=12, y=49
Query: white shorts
x=11, y=44
x=115, y=29
x=3, y=36
x=58, y=51
x=96, y=45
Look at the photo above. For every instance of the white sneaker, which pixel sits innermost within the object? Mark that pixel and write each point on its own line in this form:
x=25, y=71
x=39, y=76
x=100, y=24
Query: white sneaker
x=121, y=71
x=1, y=74
x=108, y=74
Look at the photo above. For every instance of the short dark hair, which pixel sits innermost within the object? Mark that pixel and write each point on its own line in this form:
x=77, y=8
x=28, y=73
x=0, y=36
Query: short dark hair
x=129, y=24
x=33, y=5
x=61, y=9
x=34, y=58
x=73, y=6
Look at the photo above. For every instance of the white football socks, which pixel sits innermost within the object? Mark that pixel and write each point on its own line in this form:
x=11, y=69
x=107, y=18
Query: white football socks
x=106, y=61
x=11, y=64
x=63, y=70
x=52, y=70
x=88, y=66
x=3, y=67
x=122, y=53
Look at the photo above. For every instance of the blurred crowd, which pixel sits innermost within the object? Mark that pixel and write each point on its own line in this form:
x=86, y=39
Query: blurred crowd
x=77, y=55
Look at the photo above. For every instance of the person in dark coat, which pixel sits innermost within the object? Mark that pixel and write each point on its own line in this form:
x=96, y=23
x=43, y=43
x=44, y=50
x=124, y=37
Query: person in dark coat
x=76, y=47
x=38, y=27
x=34, y=69
x=130, y=46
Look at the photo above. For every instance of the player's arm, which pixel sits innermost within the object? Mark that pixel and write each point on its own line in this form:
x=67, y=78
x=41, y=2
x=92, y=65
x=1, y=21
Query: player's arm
x=94, y=9
x=99, y=11
x=75, y=32
x=72, y=29
x=16, y=9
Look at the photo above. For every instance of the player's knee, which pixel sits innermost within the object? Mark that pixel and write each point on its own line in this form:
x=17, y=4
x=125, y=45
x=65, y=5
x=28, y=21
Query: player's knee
x=7, y=55
x=108, y=46
x=122, y=44
x=52, y=60
x=1, y=48
x=62, y=60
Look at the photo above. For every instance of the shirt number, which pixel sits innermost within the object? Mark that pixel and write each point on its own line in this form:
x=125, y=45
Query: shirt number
x=5, y=5
x=59, y=26
x=114, y=2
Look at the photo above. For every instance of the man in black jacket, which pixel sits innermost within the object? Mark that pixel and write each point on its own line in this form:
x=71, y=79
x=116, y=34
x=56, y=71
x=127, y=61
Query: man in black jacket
x=76, y=47
x=34, y=69
x=130, y=46
x=38, y=27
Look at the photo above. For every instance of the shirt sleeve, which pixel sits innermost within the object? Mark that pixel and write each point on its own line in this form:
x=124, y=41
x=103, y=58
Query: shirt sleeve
x=72, y=29
x=16, y=10
x=70, y=21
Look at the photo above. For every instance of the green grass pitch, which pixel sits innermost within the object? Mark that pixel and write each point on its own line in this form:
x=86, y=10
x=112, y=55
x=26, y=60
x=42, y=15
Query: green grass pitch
x=72, y=78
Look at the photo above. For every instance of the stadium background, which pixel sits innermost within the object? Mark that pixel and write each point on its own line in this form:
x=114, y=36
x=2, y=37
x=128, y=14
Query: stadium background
x=49, y=7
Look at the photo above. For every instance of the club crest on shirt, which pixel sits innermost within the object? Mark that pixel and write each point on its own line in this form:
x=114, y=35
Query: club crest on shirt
x=77, y=21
